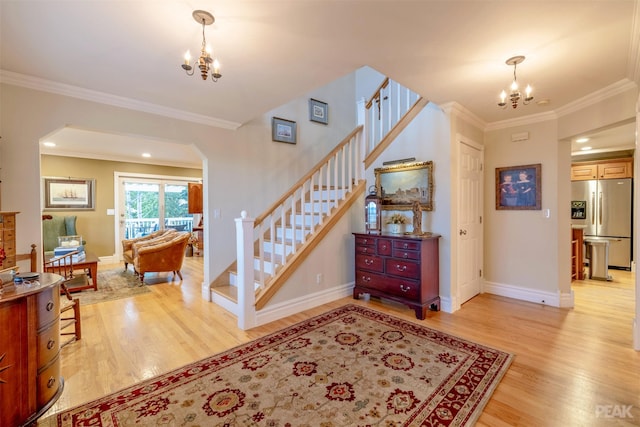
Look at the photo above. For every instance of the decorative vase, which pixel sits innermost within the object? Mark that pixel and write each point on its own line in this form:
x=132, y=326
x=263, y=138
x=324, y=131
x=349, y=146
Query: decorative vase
x=189, y=251
x=396, y=228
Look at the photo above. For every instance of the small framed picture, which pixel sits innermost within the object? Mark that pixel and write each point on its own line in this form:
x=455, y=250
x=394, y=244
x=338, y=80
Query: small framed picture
x=318, y=111
x=69, y=193
x=518, y=187
x=283, y=130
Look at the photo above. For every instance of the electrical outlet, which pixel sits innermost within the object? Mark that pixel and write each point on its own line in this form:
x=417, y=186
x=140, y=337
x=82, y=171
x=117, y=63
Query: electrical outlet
x=319, y=278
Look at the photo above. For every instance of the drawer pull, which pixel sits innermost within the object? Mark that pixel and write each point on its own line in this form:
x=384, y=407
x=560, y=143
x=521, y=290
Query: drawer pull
x=405, y=288
x=368, y=261
x=365, y=241
x=51, y=382
x=364, y=250
x=50, y=306
x=406, y=246
x=405, y=255
x=401, y=267
x=384, y=247
x=50, y=344
x=366, y=279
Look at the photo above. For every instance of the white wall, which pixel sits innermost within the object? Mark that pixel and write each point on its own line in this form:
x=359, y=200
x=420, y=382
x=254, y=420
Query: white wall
x=427, y=138
x=521, y=246
x=28, y=115
x=527, y=256
x=252, y=171
x=242, y=169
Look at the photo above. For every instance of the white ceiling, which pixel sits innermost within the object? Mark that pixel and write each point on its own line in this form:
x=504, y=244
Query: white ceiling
x=272, y=51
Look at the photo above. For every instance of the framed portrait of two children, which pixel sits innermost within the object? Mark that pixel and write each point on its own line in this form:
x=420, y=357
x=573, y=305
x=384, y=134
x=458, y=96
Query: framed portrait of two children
x=519, y=188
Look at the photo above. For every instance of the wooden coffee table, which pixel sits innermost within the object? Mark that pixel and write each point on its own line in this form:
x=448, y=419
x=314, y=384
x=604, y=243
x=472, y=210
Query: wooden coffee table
x=89, y=264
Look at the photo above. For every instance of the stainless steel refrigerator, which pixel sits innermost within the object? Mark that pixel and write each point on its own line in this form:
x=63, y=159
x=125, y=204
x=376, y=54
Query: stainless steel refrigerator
x=604, y=208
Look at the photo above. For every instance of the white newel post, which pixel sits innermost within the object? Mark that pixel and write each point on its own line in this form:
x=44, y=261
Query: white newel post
x=246, y=286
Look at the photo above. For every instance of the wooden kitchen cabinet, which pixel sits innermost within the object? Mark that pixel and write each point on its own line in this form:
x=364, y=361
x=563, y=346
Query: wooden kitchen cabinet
x=399, y=267
x=608, y=169
x=195, y=198
x=581, y=172
x=615, y=169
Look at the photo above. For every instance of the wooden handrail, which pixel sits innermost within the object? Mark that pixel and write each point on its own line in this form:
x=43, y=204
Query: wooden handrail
x=275, y=243
x=376, y=94
x=308, y=175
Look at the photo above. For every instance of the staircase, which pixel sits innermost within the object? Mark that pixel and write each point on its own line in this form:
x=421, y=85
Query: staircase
x=271, y=246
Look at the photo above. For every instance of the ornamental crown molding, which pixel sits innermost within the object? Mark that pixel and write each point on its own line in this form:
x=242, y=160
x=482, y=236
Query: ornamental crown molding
x=35, y=83
x=614, y=89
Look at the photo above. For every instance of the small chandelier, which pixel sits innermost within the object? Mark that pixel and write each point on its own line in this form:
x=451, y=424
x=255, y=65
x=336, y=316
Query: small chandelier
x=515, y=95
x=205, y=63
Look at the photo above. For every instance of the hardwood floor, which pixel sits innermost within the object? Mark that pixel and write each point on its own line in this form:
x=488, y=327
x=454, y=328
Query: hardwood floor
x=569, y=363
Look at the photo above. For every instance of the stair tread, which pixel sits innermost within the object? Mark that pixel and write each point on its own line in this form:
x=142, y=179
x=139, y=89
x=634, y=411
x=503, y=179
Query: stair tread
x=228, y=291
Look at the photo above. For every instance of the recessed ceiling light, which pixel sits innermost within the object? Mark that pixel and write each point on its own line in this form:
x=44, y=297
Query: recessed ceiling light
x=582, y=140
x=146, y=155
x=49, y=144
x=585, y=148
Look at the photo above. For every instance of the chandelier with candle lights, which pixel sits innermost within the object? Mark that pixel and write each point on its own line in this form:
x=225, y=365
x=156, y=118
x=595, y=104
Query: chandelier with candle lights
x=208, y=66
x=514, y=92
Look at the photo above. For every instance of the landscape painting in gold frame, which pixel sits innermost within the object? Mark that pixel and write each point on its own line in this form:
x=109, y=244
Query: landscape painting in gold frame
x=400, y=185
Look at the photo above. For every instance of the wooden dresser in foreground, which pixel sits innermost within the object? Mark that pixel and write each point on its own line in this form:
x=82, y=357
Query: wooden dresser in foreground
x=399, y=267
x=30, y=380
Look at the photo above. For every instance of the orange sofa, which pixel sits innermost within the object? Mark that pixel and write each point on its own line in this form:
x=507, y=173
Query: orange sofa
x=130, y=246
x=158, y=256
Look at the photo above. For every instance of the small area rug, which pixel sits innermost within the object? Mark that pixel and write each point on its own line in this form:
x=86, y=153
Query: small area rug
x=112, y=284
x=352, y=366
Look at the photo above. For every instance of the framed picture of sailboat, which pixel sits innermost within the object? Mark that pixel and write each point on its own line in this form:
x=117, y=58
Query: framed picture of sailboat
x=69, y=193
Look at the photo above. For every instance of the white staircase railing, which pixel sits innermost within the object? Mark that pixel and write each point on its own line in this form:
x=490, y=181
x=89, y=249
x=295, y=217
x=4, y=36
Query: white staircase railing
x=386, y=107
x=268, y=243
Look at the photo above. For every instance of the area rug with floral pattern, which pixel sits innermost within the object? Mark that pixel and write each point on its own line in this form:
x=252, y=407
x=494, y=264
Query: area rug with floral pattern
x=352, y=366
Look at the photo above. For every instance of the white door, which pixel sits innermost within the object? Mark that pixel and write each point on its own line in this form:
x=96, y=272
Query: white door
x=470, y=221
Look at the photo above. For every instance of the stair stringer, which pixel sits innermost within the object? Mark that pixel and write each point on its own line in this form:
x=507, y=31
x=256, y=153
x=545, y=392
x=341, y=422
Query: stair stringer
x=312, y=241
x=395, y=131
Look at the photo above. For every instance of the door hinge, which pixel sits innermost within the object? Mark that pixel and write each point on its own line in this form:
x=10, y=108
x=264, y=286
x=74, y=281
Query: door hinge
x=480, y=219
x=480, y=271
x=481, y=166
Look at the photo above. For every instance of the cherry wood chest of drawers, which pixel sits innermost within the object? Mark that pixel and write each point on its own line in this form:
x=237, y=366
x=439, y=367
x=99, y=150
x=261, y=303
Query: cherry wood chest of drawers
x=402, y=268
x=30, y=380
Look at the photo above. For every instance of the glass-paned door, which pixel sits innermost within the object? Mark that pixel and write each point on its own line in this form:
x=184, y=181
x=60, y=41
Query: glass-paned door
x=148, y=205
x=176, y=207
x=141, y=208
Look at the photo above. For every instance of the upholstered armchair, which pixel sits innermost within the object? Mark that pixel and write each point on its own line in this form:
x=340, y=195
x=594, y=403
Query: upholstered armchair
x=54, y=226
x=166, y=255
x=129, y=246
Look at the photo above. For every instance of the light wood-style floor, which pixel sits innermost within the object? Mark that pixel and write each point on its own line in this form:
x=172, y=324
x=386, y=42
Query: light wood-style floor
x=569, y=363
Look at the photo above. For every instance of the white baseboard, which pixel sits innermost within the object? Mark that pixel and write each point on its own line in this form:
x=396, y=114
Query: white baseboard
x=294, y=306
x=554, y=299
x=636, y=335
x=206, y=292
x=447, y=304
